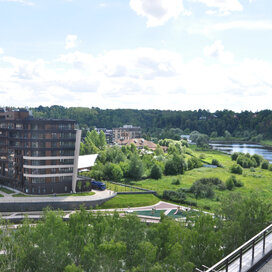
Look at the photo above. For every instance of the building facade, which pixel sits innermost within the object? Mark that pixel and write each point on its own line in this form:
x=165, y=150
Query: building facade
x=38, y=156
x=126, y=132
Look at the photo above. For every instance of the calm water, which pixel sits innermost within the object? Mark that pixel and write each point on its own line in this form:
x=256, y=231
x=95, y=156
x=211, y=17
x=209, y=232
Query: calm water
x=244, y=148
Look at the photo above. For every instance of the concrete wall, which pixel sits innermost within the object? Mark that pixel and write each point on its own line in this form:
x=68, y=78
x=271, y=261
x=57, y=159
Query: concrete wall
x=39, y=206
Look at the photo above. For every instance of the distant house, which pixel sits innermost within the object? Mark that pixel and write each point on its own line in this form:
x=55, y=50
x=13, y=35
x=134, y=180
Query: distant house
x=108, y=134
x=140, y=143
x=126, y=132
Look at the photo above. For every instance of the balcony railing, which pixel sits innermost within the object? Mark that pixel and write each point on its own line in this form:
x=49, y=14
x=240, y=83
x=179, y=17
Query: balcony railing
x=246, y=256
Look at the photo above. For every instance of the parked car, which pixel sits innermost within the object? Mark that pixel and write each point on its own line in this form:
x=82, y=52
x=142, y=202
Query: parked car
x=98, y=185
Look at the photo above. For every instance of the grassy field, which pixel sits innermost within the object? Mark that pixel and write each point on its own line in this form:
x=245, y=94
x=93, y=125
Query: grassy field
x=124, y=201
x=5, y=190
x=118, y=188
x=267, y=142
x=258, y=181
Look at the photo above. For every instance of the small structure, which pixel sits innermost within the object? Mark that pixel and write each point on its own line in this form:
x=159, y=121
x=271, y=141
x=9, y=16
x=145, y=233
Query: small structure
x=86, y=162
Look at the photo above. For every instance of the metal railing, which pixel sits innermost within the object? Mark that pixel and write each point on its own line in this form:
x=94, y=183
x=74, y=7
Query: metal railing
x=234, y=261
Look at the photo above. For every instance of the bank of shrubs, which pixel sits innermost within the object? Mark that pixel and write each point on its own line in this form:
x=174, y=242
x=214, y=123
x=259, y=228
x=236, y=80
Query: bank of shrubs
x=202, y=188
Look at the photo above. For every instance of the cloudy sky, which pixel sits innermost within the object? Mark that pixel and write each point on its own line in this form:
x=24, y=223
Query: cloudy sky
x=143, y=54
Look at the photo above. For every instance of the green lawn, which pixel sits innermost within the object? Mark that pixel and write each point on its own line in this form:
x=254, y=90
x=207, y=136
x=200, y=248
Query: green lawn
x=5, y=190
x=267, y=142
x=124, y=201
x=77, y=194
x=119, y=188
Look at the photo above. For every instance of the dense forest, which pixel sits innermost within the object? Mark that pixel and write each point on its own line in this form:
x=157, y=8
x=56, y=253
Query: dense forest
x=245, y=124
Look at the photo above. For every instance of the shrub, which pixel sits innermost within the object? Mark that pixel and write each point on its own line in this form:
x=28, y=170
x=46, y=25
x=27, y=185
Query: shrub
x=270, y=167
x=203, y=188
x=236, y=169
x=265, y=164
x=177, y=196
x=202, y=156
x=258, y=159
x=156, y=172
x=194, y=163
x=229, y=184
x=235, y=155
x=252, y=169
x=233, y=182
x=216, y=162
x=246, y=161
x=175, y=181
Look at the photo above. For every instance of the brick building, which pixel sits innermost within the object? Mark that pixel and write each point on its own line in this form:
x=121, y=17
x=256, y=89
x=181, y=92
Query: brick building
x=38, y=156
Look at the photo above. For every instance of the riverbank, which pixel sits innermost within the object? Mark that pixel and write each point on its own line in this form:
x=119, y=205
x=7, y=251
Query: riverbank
x=265, y=143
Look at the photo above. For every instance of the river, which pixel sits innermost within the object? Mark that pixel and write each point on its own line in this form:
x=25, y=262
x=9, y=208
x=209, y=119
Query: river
x=244, y=148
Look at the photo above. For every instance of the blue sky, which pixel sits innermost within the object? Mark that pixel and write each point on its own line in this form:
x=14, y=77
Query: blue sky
x=144, y=54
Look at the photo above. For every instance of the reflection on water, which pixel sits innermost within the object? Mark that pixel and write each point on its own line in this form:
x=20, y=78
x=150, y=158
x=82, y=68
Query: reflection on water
x=244, y=148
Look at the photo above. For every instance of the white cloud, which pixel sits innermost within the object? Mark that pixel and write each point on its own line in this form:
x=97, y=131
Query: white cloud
x=223, y=7
x=23, y=2
x=1, y=51
x=158, y=12
x=70, y=41
x=244, y=25
x=138, y=78
x=217, y=50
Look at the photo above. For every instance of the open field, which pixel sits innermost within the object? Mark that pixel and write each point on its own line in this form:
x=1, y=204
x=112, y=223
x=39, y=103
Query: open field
x=124, y=201
x=258, y=181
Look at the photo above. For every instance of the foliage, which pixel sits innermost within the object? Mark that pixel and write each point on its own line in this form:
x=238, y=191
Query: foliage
x=216, y=162
x=199, y=138
x=246, y=161
x=136, y=168
x=165, y=123
x=178, y=196
x=156, y=172
x=236, y=169
x=93, y=142
x=112, y=172
x=194, y=163
x=265, y=164
x=203, y=188
x=240, y=212
x=175, y=181
x=175, y=165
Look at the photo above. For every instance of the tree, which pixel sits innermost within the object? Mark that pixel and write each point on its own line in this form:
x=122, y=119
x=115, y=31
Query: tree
x=238, y=212
x=136, y=168
x=175, y=165
x=156, y=172
x=102, y=140
x=113, y=172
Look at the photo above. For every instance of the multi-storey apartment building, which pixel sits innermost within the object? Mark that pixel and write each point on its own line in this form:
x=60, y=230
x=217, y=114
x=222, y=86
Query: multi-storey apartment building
x=38, y=156
x=126, y=132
